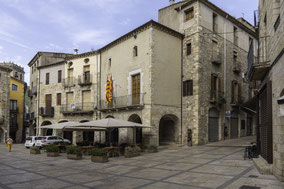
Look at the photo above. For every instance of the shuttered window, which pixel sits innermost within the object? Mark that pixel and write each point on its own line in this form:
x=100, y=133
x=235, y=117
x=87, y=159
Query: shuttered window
x=58, y=99
x=59, y=76
x=188, y=88
x=189, y=14
x=188, y=49
x=47, y=79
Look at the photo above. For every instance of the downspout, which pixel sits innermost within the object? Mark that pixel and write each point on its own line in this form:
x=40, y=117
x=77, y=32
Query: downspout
x=100, y=97
x=181, y=92
x=97, y=61
x=38, y=94
x=225, y=72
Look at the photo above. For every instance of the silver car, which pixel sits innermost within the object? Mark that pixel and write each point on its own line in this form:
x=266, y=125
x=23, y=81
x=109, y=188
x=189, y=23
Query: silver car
x=30, y=141
x=50, y=140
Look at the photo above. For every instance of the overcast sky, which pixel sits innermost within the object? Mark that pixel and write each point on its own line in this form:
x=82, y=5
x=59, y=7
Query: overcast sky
x=29, y=26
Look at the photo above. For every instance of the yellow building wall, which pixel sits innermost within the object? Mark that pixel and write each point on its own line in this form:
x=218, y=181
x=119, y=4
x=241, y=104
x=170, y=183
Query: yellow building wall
x=19, y=96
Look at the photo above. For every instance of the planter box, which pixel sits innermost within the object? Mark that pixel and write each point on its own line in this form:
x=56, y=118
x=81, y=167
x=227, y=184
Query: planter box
x=52, y=154
x=152, y=150
x=34, y=151
x=74, y=156
x=99, y=159
x=130, y=154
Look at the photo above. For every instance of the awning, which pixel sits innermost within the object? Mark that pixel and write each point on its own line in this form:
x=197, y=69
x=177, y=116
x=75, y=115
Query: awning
x=250, y=105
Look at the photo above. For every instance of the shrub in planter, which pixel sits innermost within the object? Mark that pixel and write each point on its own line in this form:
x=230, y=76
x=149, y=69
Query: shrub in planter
x=52, y=150
x=99, y=155
x=132, y=151
x=34, y=150
x=153, y=148
x=74, y=152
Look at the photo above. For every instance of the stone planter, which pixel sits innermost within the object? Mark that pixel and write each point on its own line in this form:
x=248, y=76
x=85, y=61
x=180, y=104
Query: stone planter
x=99, y=159
x=32, y=151
x=131, y=154
x=52, y=154
x=152, y=150
x=74, y=156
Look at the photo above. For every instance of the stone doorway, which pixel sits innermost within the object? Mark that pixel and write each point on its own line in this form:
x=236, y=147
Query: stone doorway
x=136, y=119
x=234, y=129
x=168, y=130
x=213, y=125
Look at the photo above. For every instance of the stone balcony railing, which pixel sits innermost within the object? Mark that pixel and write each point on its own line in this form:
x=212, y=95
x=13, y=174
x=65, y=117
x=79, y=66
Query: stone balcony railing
x=78, y=108
x=69, y=82
x=46, y=111
x=85, y=79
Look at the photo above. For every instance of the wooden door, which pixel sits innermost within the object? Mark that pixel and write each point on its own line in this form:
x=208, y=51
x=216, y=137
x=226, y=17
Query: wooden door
x=213, y=125
x=136, y=89
x=70, y=101
x=86, y=100
x=87, y=76
x=48, y=102
x=70, y=77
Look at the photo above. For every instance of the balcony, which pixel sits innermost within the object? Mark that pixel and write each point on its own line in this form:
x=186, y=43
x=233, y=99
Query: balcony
x=46, y=112
x=216, y=58
x=68, y=82
x=258, y=66
x=237, y=68
x=34, y=91
x=78, y=108
x=85, y=79
x=123, y=103
x=14, y=109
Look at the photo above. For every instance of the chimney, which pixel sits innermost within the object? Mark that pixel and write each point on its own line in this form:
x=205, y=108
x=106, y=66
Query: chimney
x=172, y=2
x=75, y=51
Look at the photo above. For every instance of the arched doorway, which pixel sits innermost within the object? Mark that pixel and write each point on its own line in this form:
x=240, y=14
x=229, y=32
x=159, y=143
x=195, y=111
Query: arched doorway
x=136, y=119
x=48, y=132
x=234, y=129
x=168, y=129
x=88, y=136
x=112, y=136
x=213, y=125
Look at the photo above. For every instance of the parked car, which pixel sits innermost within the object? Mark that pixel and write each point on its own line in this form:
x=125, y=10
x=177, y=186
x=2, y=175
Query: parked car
x=30, y=141
x=51, y=140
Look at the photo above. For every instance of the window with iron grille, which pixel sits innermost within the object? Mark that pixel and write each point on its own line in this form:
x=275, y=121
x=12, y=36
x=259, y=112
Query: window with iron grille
x=188, y=88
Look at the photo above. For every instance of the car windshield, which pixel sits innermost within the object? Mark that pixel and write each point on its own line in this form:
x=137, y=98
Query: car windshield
x=29, y=138
x=40, y=138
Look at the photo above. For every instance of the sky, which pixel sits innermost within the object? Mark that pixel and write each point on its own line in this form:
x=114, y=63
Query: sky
x=29, y=26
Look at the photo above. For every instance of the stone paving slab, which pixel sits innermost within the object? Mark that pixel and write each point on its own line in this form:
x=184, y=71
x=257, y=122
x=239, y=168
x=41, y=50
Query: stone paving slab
x=218, y=165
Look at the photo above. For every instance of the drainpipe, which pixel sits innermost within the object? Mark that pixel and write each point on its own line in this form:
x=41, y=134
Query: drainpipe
x=181, y=97
x=100, y=97
x=38, y=94
x=225, y=72
x=97, y=61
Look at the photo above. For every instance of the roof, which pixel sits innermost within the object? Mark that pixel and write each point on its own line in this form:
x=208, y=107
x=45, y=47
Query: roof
x=82, y=55
x=6, y=68
x=38, y=54
x=222, y=13
x=52, y=64
x=184, y=1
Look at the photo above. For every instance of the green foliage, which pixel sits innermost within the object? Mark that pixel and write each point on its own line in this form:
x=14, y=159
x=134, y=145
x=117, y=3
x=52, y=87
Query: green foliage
x=52, y=148
x=35, y=149
x=73, y=150
x=134, y=149
x=98, y=152
x=153, y=146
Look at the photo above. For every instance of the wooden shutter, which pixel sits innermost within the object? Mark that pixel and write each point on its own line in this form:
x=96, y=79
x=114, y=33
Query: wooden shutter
x=190, y=87
x=47, y=78
x=219, y=87
x=58, y=99
x=59, y=76
x=212, y=86
x=240, y=92
x=233, y=92
x=48, y=101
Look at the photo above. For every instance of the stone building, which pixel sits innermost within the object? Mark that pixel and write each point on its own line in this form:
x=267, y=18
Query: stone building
x=265, y=73
x=40, y=59
x=17, y=101
x=215, y=49
x=4, y=102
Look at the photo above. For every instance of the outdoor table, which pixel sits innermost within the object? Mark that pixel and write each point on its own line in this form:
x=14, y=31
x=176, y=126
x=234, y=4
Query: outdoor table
x=113, y=151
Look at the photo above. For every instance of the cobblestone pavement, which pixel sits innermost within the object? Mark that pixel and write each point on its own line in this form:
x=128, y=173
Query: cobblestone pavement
x=218, y=165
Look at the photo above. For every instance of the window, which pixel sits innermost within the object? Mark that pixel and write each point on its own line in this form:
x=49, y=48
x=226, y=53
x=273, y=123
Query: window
x=236, y=92
x=135, y=51
x=215, y=26
x=109, y=62
x=235, y=35
x=216, y=88
x=188, y=49
x=264, y=20
x=21, y=77
x=59, y=76
x=13, y=105
x=188, y=88
x=136, y=89
x=189, y=14
x=235, y=61
x=16, y=74
x=58, y=99
x=87, y=75
x=14, y=87
x=47, y=78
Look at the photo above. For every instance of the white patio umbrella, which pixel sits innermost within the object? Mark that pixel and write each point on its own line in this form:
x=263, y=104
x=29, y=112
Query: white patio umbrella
x=110, y=124
x=61, y=125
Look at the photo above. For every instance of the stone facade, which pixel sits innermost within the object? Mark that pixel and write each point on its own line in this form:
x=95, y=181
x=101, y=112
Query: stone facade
x=209, y=41
x=4, y=102
x=268, y=68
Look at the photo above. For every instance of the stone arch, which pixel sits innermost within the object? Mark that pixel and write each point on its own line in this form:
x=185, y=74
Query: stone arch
x=47, y=132
x=136, y=119
x=109, y=116
x=213, y=125
x=234, y=129
x=168, y=130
